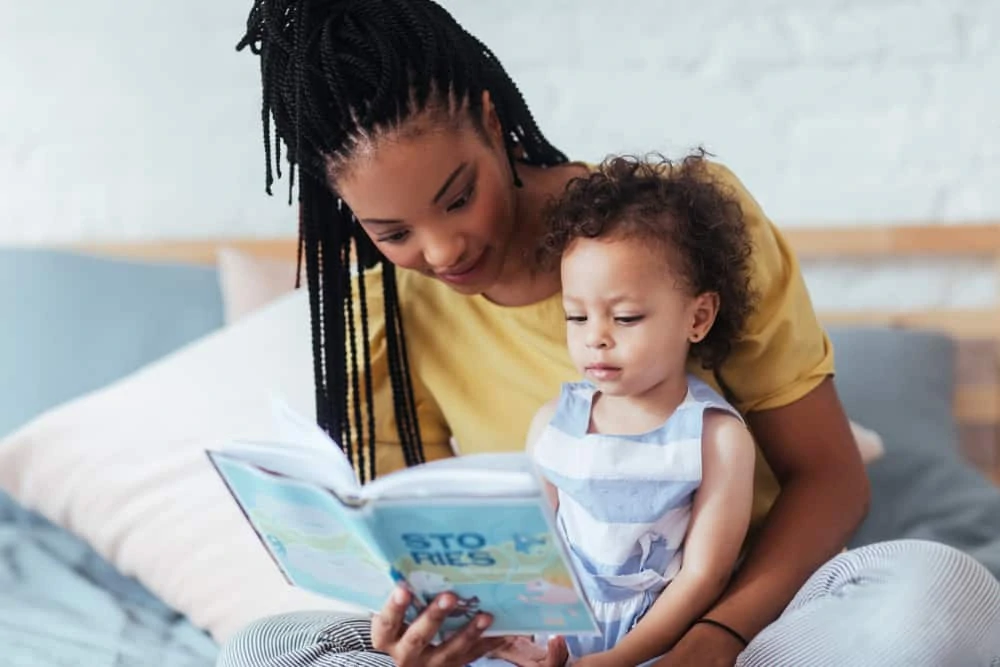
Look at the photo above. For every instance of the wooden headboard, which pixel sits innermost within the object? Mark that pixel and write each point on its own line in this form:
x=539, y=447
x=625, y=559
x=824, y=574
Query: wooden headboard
x=976, y=330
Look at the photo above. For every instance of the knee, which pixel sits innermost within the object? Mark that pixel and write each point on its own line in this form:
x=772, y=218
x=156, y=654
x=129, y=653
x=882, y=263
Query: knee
x=900, y=603
x=940, y=570
x=936, y=604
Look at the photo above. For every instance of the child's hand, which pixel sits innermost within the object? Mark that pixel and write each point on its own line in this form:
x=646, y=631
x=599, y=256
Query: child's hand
x=524, y=652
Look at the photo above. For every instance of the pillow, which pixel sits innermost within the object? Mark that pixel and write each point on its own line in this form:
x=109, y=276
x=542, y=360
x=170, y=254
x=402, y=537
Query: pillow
x=901, y=383
x=125, y=469
x=869, y=442
x=249, y=282
x=73, y=323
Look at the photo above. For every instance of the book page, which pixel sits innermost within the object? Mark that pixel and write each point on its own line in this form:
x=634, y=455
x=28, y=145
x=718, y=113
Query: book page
x=471, y=475
x=304, y=433
x=319, y=544
x=497, y=556
x=317, y=467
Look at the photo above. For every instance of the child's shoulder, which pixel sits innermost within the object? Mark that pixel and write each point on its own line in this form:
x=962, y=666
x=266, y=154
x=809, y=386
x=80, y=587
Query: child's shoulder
x=573, y=397
x=705, y=397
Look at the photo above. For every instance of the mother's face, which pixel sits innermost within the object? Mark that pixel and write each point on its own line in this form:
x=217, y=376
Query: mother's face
x=436, y=198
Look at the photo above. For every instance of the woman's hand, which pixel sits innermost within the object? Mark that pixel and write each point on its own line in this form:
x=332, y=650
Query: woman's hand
x=410, y=646
x=702, y=646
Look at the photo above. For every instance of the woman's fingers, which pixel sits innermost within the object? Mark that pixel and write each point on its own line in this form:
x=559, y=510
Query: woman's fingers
x=388, y=624
x=412, y=649
x=413, y=646
x=466, y=645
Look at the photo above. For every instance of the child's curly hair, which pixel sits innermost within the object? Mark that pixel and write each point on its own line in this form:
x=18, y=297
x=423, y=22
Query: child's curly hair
x=678, y=205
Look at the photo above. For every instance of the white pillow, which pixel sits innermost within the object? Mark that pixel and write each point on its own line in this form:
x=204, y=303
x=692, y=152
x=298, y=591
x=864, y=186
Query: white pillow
x=125, y=469
x=869, y=442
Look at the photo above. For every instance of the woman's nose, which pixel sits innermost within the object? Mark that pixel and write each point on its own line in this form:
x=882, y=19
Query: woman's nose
x=444, y=252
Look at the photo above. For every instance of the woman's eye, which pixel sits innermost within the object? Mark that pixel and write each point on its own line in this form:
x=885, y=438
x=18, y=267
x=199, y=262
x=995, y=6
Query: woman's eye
x=462, y=201
x=397, y=237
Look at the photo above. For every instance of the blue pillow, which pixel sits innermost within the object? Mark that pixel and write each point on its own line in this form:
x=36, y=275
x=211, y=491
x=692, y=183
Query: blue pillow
x=72, y=323
x=900, y=383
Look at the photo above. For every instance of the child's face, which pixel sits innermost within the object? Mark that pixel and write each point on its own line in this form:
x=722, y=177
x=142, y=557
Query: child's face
x=629, y=317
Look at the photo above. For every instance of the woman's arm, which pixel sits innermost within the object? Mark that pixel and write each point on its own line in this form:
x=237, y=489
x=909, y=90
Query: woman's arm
x=780, y=375
x=824, y=496
x=719, y=521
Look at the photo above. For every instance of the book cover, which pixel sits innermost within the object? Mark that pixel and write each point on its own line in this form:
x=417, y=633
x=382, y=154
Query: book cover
x=497, y=553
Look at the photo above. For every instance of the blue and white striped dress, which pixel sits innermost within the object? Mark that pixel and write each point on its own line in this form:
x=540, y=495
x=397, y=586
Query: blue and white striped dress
x=624, y=503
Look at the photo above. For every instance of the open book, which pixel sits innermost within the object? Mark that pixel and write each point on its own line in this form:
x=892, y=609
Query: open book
x=479, y=526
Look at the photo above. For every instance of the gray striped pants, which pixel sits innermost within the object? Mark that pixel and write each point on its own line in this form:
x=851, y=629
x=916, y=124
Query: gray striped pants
x=906, y=602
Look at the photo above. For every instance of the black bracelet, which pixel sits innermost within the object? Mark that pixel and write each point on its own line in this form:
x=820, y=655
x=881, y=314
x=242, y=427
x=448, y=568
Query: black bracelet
x=723, y=626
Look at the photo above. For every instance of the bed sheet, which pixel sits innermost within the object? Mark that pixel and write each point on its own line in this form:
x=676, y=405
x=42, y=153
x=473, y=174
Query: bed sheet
x=62, y=604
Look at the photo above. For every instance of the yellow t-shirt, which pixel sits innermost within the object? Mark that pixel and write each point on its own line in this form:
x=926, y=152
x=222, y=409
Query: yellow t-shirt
x=480, y=371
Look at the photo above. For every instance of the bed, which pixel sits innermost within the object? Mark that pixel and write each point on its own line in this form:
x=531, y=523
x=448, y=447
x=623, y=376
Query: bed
x=926, y=380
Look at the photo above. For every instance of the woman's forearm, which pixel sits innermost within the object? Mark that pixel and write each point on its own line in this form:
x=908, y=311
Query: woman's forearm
x=810, y=522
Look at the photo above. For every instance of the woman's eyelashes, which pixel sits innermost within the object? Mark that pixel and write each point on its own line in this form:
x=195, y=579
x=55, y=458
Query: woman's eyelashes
x=394, y=237
x=463, y=199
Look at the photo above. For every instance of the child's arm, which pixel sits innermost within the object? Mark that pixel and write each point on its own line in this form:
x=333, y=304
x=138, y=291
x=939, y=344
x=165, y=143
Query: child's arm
x=719, y=523
x=538, y=424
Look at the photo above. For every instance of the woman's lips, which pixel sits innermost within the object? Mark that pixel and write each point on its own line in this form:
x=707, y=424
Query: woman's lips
x=464, y=275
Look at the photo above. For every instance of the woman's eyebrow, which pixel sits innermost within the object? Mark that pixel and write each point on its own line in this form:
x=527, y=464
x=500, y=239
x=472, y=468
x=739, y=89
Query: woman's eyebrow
x=444, y=188
x=449, y=181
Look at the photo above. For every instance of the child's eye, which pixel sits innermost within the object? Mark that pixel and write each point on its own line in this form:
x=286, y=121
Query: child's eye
x=462, y=200
x=628, y=319
x=576, y=318
x=395, y=237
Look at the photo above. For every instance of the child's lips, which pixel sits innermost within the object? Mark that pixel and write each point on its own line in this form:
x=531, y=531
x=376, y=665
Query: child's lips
x=603, y=371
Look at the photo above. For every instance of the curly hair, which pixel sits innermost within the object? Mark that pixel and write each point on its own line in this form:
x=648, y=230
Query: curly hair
x=677, y=205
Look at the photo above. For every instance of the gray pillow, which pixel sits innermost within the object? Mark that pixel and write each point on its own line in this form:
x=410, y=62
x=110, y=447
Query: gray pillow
x=73, y=323
x=900, y=383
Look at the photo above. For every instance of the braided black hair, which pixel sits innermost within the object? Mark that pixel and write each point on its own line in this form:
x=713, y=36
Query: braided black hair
x=334, y=72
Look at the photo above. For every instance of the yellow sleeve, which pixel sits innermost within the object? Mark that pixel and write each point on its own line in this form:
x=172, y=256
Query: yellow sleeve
x=434, y=431
x=784, y=353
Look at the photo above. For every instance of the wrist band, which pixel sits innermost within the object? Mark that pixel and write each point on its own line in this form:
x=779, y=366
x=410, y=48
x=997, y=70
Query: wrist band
x=726, y=628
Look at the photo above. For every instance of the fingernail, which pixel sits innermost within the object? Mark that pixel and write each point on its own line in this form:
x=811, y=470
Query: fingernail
x=444, y=603
x=483, y=622
x=399, y=596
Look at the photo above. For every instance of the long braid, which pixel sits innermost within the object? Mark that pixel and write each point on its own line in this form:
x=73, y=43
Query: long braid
x=334, y=73
x=369, y=402
x=354, y=374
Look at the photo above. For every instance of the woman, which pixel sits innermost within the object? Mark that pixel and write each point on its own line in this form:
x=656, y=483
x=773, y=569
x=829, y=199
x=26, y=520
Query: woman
x=415, y=150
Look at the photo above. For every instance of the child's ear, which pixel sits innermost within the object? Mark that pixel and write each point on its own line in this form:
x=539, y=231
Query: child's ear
x=704, y=309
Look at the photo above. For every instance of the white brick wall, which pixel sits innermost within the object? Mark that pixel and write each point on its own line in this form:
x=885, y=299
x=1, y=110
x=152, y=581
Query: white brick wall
x=139, y=119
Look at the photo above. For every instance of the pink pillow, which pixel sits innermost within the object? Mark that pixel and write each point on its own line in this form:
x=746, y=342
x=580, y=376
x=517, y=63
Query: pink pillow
x=248, y=282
